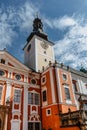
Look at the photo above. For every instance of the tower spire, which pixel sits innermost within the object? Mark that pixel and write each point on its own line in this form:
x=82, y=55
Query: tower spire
x=37, y=29
x=37, y=25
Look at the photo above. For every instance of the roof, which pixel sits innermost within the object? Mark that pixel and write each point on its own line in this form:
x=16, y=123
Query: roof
x=13, y=60
x=32, y=35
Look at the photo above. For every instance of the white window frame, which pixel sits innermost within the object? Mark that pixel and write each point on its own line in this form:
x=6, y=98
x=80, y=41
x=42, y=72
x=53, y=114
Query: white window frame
x=66, y=76
x=17, y=102
x=75, y=86
x=1, y=92
x=43, y=96
x=44, y=103
x=33, y=99
x=42, y=80
x=67, y=100
x=47, y=114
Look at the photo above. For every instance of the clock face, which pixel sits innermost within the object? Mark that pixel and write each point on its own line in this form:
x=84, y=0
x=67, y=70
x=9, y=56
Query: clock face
x=44, y=45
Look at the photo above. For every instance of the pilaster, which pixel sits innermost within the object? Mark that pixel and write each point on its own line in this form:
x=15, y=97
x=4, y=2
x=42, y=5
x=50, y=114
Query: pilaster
x=25, y=109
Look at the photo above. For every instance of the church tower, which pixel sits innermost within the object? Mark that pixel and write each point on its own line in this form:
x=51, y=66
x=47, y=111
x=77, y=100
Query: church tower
x=38, y=51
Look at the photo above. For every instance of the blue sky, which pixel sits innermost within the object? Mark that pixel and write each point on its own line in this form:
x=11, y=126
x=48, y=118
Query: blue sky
x=65, y=22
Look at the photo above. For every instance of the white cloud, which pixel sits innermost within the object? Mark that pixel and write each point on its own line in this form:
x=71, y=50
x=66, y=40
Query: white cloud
x=13, y=20
x=72, y=49
x=60, y=23
x=27, y=14
x=6, y=31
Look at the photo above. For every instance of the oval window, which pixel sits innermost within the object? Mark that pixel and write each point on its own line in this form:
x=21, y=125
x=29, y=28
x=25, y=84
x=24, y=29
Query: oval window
x=2, y=73
x=33, y=81
x=18, y=77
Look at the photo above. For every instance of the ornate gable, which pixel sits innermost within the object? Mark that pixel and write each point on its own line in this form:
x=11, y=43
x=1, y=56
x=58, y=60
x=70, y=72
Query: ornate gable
x=10, y=61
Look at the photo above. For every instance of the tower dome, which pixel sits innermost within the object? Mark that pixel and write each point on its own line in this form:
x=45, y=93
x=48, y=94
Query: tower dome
x=37, y=25
x=37, y=30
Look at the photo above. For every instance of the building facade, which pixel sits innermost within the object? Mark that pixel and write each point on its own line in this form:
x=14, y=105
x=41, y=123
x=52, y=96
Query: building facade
x=41, y=94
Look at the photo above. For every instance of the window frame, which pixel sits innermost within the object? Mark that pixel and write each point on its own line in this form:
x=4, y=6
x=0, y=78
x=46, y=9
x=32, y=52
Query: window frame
x=68, y=100
x=43, y=77
x=33, y=98
x=75, y=87
x=67, y=93
x=48, y=114
x=1, y=92
x=2, y=61
x=19, y=76
x=33, y=79
x=17, y=99
x=3, y=73
x=44, y=99
x=33, y=125
x=64, y=74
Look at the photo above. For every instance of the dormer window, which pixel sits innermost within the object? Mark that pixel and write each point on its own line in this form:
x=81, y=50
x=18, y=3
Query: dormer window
x=2, y=61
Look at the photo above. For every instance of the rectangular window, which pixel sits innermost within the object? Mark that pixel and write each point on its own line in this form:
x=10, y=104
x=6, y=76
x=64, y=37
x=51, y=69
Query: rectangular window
x=17, y=95
x=75, y=86
x=85, y=106
x=33, y=126
x=67, y=93
x=37, y=99
x=48, y=111
x=2, y=61
x=0, y=92
x=37, y=126
x=30, y=98
x=44, y=96
x=33, y=98
x=30, y=126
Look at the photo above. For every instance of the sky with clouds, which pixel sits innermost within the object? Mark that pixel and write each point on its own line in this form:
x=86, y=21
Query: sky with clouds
x=65, y=22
